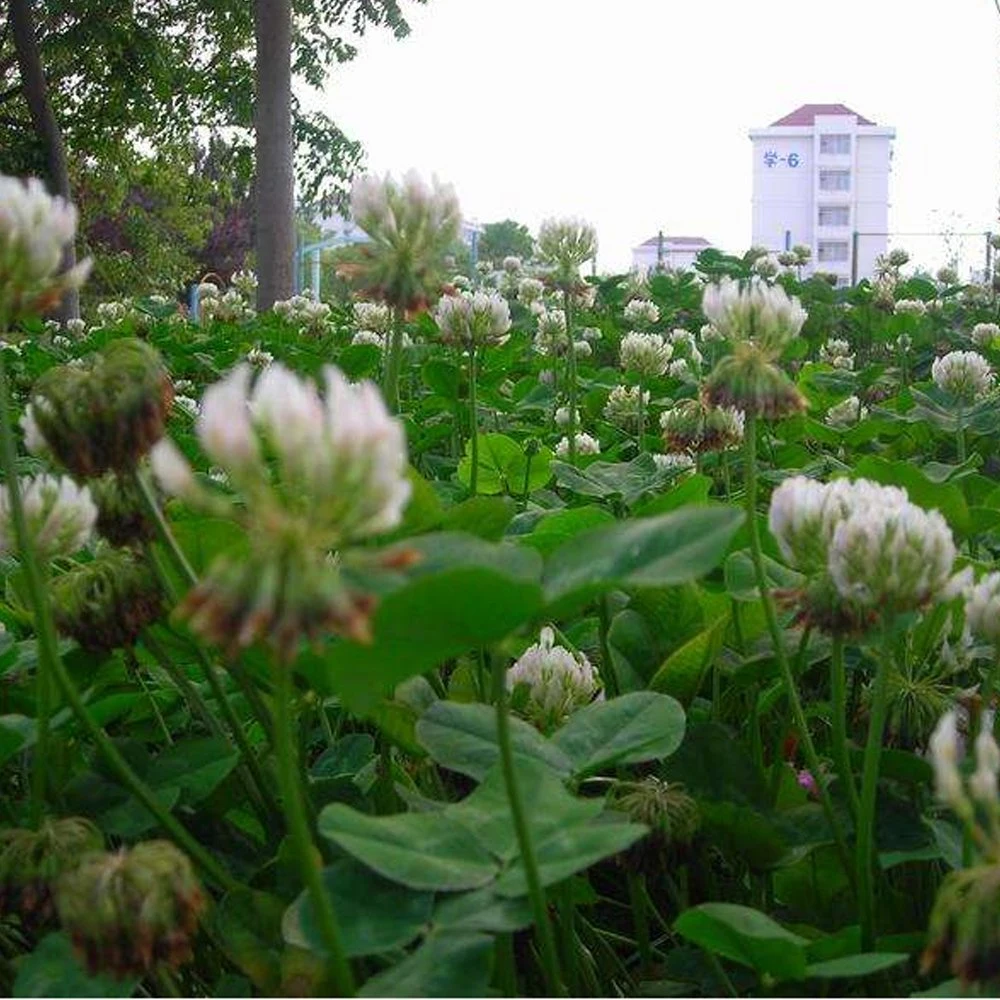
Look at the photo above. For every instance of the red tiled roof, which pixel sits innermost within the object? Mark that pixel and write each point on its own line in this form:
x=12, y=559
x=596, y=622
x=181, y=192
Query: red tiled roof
x=694, y=241
x=806, y=114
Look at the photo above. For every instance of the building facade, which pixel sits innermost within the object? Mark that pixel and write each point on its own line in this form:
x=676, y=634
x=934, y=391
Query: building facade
x=672, y=253
x=820, y=176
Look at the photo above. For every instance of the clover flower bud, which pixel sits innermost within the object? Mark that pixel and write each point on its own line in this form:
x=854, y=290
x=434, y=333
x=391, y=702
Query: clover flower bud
x=965, y=375
x=60, y=516
x=847, y=413
x=623, y=405
x=641, y=312
x=121, y=512
x=107, y=412
x=666, y=808
x=33, y=861
x=104, y=604
x=646, y=354
x=554, y=682
x=35, y=229
x=132, y=911
x=585, y=445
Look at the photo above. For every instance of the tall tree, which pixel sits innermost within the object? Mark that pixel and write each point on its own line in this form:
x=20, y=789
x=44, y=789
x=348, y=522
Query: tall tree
x=505, y=239
x=43, y=120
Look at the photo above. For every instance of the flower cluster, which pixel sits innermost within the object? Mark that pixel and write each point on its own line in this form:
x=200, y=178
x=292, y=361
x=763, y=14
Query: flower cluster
x=316, y=473
x=35, y=229
x=565, y=244
x=870, y=550
x=59, y=515
x=837, y=353
x=645, y=354
x=530, y=290
x=691, y=426
x=473, y=318
x=965, y=375
x=674, y=461
x=624, y=403
x=375, y=317
x=551, y=337
x=553, y=682
x=985, y=334
x=312, y=316
x=641, y=312
x=229, y=307
x=846, y=413
x=412, y=225
x=910, y=307
x=585, y=445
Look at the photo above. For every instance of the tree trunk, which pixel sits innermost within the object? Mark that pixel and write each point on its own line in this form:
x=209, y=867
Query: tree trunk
x=274, y=234
x=43, y=120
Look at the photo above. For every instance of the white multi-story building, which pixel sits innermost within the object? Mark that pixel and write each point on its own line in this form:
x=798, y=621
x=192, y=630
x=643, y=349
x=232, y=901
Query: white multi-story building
x=820, y=176
x=673, y=253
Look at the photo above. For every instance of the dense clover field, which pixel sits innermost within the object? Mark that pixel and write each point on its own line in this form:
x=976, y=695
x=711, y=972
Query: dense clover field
x=503, y=633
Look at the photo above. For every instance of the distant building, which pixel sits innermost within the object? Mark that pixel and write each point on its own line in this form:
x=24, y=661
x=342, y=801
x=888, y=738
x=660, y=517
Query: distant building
x=820, y=174
x=674, y=253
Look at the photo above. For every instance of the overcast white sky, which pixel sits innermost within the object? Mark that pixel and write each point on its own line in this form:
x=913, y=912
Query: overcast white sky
x=634, y=113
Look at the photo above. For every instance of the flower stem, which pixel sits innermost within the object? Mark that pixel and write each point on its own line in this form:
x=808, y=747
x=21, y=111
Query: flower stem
x=866, y=813
x=34, y=577
x=570, y=374
x=642, y=422
x=960, y=434
x=473, y=421
x=163, y=531
x=640, y=920
x=838, y=711
x=777, y=640
x=301, y=838
x=543, y=927
x=393, y=363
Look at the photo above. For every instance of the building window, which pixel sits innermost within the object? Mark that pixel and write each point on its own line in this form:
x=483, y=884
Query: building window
x=835, y=144
x=831, y=250
x=835, y=180
x=834, y=215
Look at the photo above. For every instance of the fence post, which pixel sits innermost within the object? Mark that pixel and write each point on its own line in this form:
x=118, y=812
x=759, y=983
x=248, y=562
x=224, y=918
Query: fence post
x=854, y=257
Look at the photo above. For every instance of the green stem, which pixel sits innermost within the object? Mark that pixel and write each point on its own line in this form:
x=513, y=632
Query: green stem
x=163, y=531
x=640, y=920
x=301, y=838
x=34, y=578
x=190, y=693
x=473, y=421
x=865, y=858
x=393, y=363
x=570, y=374
x=838, y=712
x=778, y=642
x=608, y=675
x=960, y=434
x=641, y=437
x=543, y=927
x=153, y=707
x=138, y=787
x=720, y=973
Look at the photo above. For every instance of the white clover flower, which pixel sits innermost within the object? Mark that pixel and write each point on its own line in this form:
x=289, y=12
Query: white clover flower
x=60, y=516
x=557, y=682
x=512, y=264
x=35, y=228
x=529, y=290
x=63, y=343
x=374, y=316
x=111, y=313
x=259, y=358
x=171, y=469
x=473, y=318
x=910, y=307
x=642, y=312
x=562, y=417
x=462, y=282
x=983, y=781
x=585, y=296
x=646, y=354
x=591, y=334
x=678, y=369
x=677, y=460
x=761, y=313
x=846, y=413
x=710, y=334
x=837, y=352
x=944, y=755
x=76, y=328
x=680, y=336
x=565, y=244
x=245, y=282
x=187, y=405
x=34, y=440
x=982, y=607
x=551, y=337
x=368, y=337
x=622, y=407
x=965, y=375
x=891, y=558
x=582, y=349
x=585, y=445
x=985, y=334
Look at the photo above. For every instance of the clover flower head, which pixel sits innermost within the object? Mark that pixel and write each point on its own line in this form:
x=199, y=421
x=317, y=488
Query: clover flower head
x=551, y=337
x=623, y=405
x=374, y=316
x=556, y=681
x=60, y=515
x=762, y=314
x=529, y=290
x=985, y=334
x=966, y=375
x=679, y=461
x=837, y=353
x=565, y=244
x=563, y=417
x=646, y=354
x=846, y=413
x=982, y=607
x=642, y=312
x=910, y=307
x=585, y=445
